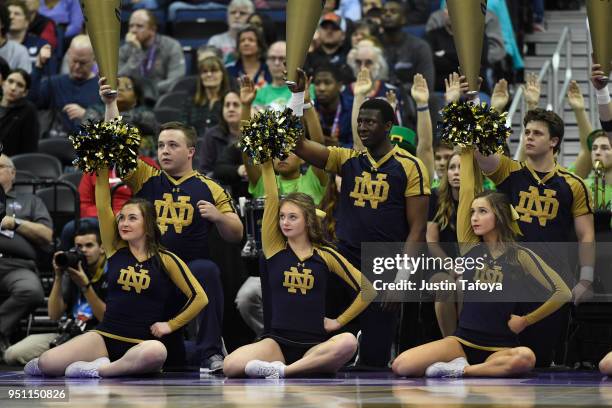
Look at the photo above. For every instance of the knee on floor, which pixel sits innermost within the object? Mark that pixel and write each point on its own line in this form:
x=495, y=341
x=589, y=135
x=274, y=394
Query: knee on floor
x=605, y=365
x=233, y=367
x=345, y=345
x=402, y=367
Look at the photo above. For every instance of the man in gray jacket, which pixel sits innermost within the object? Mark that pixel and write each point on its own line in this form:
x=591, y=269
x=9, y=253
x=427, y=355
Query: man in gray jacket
x=146, y=53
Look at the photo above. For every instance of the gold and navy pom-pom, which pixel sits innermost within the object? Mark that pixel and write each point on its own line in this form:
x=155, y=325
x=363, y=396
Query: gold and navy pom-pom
x=466, y=124
x=270, y=134
x=106, y=144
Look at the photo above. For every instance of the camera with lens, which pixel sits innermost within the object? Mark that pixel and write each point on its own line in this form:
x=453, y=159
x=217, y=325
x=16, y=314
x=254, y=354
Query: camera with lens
x=68, y=329
x=70, y=259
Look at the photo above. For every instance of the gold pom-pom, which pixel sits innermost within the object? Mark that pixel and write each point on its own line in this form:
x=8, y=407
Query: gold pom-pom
x=270, y=134
x=466, y=124
x=106, y=144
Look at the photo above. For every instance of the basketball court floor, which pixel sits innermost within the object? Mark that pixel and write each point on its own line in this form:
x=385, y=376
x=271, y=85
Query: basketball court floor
x=347, y=390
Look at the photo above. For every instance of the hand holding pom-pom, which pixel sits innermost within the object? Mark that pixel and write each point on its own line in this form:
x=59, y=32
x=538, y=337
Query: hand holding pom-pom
x=106, y=144
x=465, y=124
x=270, y=134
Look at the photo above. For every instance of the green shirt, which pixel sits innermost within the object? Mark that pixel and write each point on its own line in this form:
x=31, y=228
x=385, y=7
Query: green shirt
x=308, y=184
x=275, y=97
x=590, y=182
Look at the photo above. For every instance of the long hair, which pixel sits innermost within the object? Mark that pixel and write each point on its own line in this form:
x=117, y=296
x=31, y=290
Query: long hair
x=446, y=204
x=208, y=63
x=151, y=230
x=500, y=205
x=313, y=224
x=262, y=47
x=329, y=204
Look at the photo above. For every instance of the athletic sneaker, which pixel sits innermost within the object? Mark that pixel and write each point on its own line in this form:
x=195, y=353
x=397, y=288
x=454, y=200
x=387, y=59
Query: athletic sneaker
x=265, y=369
x=32, y=368
x=86, y=369
x=212, y=364
x=453, y=369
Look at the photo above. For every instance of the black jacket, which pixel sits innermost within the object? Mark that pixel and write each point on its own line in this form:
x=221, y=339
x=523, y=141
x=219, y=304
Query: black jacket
x=19, y=128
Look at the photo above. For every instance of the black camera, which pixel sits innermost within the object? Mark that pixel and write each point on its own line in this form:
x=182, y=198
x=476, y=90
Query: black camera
x=68, y=329
x=70, y=259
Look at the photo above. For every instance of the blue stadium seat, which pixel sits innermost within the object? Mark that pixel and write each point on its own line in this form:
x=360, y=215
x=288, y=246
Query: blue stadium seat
x=201, y=16
x=276, y=15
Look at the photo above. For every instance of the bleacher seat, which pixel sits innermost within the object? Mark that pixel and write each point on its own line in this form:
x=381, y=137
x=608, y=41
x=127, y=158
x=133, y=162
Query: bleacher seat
x=174, y=100
x=24, y=181
x=164, y=115
x=41, y=165
x=185, y=84
x=199, y=23
x=72, y=178
x=62, y=202
x=58, y=147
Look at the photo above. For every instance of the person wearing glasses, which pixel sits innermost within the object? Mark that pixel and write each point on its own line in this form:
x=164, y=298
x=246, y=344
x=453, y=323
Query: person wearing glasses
x=275, y=95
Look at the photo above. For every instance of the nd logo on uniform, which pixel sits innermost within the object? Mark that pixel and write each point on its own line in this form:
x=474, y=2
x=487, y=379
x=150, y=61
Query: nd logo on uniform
x=532, y=204
x=295, y=280
x=367, y=190
x=490, y=275
x=177, y=213
x=130, y=278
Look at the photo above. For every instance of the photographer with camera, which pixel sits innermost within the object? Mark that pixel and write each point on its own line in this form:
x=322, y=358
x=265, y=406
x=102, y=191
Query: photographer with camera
x=76, y=299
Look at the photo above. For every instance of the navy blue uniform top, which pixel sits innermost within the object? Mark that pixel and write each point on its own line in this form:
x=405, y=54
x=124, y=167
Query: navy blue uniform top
x=484, y=324
x=184, y=231
x=547, y=204
x=139, y=290
x=294, y=288
x=373, y=195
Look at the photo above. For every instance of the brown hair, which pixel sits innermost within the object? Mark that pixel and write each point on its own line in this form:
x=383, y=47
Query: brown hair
x=207, y=63
x=555, y=124
x=151, y=230
x=22, y=5
x=261, y=44
x=329, y=204
x=313, y=224
x=189, y=131
x=500, y=205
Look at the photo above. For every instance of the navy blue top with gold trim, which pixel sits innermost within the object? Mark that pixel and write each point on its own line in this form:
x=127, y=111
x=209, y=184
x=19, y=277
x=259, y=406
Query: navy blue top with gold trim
x=483, y=323
x=373, y=194
x=294, y=288
x=547, y=204
x=139, y=290
x=184, y=231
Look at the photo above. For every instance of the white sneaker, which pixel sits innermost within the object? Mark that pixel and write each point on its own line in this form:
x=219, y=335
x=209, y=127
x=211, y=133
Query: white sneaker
x=265, y=369
x=86, y=369
x=32, y=369
x=452, y=369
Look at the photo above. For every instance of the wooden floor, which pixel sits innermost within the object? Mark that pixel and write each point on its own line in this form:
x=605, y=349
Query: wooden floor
x=550, y=389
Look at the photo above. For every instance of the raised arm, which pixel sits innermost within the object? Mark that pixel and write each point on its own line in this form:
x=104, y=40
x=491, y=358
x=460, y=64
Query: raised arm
x=500, y=96
x=273, y=240
x=576, y=101
x=111, y=111
x=311, y=120
x=465, y=234
x=531, y=90
x=604, y=107
x=248, y=92
x=424, y=149
x=105, y=212
x=362, y=87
